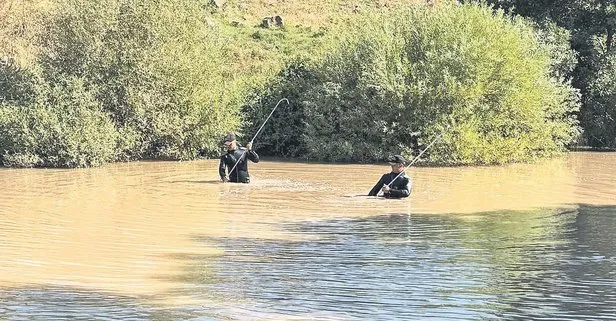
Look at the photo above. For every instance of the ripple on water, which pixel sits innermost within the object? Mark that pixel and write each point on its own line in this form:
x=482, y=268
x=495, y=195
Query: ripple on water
x=405, y=267
x=167, y=241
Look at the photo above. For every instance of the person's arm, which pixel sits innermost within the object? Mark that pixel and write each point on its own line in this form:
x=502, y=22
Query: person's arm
x=251, y=154
x=222, y=170
x=375, y=190
x=401, y=190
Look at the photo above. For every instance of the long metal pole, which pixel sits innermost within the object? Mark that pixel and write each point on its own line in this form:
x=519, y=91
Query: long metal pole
x=255, y=136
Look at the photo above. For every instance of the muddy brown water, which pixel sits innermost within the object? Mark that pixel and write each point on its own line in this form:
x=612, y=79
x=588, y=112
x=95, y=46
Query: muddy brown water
x=167, y=241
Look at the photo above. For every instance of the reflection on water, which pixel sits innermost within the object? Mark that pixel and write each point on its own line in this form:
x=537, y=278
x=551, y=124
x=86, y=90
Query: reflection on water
x=499, y=265
x=69, y=304
x=160, y=241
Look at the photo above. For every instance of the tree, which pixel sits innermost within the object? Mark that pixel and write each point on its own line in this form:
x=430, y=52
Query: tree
x=592, y=24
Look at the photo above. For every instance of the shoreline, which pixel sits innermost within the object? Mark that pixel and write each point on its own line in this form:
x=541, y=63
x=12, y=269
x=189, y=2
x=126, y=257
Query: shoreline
x=313, y=162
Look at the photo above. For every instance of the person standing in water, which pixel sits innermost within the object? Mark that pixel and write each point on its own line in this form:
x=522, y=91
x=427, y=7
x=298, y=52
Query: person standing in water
x=237, y=173
x=397, y=189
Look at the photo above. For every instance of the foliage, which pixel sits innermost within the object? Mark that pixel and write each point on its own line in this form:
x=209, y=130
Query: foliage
x=64, y=127
x=600, y=116
x=157, y=67
x=557, y=40
x=166, y=79
x=481, y=73
x=592, y=24
x=153, y=69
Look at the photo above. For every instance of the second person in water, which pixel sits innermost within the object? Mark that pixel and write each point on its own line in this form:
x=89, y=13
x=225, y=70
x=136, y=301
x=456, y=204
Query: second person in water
x=400, y=187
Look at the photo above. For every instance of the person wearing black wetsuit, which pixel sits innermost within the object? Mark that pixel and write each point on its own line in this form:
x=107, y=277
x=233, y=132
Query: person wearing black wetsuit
x=228, y=160
x=397, y=189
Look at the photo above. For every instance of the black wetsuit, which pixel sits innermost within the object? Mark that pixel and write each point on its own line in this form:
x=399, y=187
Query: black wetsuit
x=398, y=189
x=240, y=173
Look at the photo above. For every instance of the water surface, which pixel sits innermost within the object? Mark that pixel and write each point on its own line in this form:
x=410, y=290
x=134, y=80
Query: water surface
x=164, y=240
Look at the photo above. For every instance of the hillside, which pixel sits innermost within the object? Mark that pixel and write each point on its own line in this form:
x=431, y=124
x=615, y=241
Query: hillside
x=316, y=13
x=255, y=50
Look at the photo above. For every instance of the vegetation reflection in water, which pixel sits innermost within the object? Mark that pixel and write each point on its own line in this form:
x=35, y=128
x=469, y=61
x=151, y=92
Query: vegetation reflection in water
x=554, y=264
x=548, y=264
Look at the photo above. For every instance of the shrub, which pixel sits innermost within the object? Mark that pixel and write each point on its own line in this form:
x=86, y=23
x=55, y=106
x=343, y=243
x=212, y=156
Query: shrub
x=64, y=127
x=153, y=71
x=158, y=68
x=393, y=82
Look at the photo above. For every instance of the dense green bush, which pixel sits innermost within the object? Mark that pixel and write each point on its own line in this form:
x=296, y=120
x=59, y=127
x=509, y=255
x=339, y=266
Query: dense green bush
x=155, y=71
x=563, y=59
x=284, y=134
x=158, y=68
x=64, y=127
x=388, y=77
x=16, y=84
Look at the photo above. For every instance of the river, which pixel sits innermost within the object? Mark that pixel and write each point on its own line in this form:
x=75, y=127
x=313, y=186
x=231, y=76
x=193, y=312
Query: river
x=167, y=241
